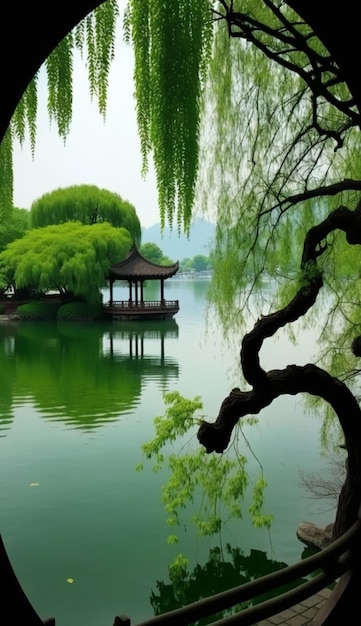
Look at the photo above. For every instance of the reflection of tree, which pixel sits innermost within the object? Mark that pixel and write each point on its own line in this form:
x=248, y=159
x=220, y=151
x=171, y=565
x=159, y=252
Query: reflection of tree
x=68, y=374
x=6, y=394
x=215, y=576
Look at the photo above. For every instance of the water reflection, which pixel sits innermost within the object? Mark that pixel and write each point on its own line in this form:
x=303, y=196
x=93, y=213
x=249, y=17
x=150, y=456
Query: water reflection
x=82, y=374
x=93, y=517
x=133, y=338
x=217, y=575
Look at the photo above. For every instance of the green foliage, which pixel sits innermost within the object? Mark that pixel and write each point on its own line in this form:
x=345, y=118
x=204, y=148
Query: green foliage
x=259, y=519
x=209, y=488
x=86, y=204
x=6, y=176
x=2, y=309
x=172, y=42
x=15, y=226
x=200, y=263
x=177, y=420
x=60, y=89
x=38, y=311
x=94, y=38
x=178, y=568
x=24, y=118
x=68, y=257
x=80, y=311
x=259, y=146
x=153, y=253
x=309, y=275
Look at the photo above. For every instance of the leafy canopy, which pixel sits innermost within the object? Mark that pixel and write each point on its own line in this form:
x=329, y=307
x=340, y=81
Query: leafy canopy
x=87, y=204
x=16, y=224
x=153, y=253
x=68, y=257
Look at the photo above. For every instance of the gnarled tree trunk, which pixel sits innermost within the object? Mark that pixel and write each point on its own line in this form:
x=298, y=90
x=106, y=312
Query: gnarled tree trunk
x=294, y=379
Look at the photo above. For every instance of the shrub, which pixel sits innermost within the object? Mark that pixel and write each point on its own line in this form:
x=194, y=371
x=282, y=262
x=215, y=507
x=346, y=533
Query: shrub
x=37, y=310
x=80, y=311
x=2, y=309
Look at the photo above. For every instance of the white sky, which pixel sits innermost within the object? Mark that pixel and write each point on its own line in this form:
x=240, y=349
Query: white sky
x=105, y=154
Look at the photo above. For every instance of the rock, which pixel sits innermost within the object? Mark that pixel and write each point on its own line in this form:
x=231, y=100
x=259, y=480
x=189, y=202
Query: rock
x=316, y=536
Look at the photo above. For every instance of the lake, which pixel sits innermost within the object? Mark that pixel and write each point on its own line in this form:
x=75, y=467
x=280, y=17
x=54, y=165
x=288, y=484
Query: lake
x=86, y=533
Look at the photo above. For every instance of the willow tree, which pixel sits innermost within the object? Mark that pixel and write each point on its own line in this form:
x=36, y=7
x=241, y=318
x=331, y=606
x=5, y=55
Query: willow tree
x=70, y=257
x=281, y=171
x=286, y=180
x=86, y=204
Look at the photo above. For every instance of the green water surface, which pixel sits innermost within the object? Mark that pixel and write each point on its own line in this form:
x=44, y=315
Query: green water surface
x=85, y=532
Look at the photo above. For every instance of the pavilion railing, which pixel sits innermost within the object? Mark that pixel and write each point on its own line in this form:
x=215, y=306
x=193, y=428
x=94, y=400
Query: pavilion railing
x=324, y=568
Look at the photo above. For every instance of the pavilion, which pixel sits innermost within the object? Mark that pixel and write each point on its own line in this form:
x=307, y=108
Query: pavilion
x=136, y=270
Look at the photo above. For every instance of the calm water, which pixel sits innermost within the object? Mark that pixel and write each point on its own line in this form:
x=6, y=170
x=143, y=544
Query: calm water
x=76, y=404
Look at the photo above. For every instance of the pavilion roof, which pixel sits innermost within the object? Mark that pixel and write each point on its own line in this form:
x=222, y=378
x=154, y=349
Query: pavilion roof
x=135, y=266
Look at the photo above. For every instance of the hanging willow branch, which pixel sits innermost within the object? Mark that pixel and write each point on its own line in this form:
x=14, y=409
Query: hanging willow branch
x=94, y=37
x=6, y=173
x=172, y=45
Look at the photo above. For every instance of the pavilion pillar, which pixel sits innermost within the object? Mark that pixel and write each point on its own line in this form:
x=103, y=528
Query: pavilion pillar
x=111, y=291
x=142, y=292
x=162, y=291
x=130, y=293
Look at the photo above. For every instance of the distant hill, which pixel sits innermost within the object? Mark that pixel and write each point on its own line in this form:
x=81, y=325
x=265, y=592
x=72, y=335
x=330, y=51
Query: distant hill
x=179, y=247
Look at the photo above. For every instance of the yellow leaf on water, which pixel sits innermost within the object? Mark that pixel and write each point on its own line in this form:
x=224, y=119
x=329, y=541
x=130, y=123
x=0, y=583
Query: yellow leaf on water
x=70, y=580
x=34, y=484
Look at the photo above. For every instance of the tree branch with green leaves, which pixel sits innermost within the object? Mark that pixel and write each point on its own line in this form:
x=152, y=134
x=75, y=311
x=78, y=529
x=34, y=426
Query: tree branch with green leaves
x=294, y=379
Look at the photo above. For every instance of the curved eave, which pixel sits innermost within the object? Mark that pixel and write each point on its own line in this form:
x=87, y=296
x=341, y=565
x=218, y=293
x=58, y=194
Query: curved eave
x=136, y=267
x=146, y=275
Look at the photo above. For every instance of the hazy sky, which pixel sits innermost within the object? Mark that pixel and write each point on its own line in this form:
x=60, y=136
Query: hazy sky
x=105, y=154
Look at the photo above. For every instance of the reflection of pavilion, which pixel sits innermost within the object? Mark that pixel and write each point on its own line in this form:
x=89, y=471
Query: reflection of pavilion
x=135, y=336
x=136, y=270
